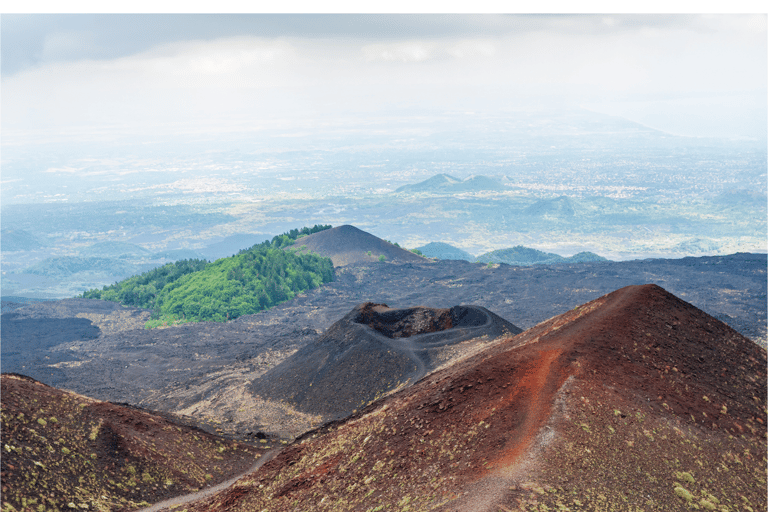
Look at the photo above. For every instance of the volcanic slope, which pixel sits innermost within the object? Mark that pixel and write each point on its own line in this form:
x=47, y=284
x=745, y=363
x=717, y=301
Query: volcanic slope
x=348, y=244
x=373, y=350
x=634, y=401
x=61, y=448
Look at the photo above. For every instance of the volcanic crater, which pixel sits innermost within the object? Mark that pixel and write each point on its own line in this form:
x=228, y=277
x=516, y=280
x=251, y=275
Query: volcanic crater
x=373, y=350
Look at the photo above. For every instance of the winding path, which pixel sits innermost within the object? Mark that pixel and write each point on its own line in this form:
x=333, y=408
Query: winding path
x=203, y=493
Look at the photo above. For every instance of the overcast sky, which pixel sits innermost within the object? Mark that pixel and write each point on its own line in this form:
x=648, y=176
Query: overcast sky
x=688, y=74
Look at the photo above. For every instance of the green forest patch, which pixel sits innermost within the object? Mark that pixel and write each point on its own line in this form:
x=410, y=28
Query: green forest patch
x=251, y=281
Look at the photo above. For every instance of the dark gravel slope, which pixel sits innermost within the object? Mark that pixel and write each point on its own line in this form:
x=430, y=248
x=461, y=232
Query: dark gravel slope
x=371, y=351
x=346, y=245
x=129, y=364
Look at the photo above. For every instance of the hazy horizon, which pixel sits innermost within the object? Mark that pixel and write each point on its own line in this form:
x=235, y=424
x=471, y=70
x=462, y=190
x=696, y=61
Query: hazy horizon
x=200, y=126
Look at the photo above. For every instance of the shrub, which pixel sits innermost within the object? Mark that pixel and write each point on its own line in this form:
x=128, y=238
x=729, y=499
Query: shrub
x=683, y=493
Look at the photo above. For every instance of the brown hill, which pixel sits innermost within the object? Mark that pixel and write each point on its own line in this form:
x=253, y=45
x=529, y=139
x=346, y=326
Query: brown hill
x=373, y=350
x=348, y=244
x=62, y=450
x=634, y=401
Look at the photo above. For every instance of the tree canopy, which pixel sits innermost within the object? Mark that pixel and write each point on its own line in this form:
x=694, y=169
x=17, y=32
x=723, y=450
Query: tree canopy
x=196, y=290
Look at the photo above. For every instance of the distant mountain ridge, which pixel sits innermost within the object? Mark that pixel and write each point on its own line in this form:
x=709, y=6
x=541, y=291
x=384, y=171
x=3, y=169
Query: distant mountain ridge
x=520, y=255
x=444, y=183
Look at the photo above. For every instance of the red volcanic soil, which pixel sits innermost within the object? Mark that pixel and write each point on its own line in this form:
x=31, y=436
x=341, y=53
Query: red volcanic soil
x=61, y=448
x=634, y=401
x=348, y=244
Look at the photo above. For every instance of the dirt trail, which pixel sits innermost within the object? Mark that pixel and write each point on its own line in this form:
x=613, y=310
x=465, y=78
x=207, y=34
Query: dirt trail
x=204, y=493
x=541, y=387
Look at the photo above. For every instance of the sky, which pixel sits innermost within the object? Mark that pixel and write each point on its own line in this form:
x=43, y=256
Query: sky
x=77, y=75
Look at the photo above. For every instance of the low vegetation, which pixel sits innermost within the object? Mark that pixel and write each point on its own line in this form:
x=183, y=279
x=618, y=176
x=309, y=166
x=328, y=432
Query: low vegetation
x=248, y=282
x=141, y=291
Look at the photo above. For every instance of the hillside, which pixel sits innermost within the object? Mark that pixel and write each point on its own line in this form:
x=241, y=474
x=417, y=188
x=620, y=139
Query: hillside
x=64, y=451
x=142, y=290
x=195, y=290
x=373, y=350
x=634, y=401
x=246, y=283
x=347, y=244
x=443, y=251
x=101, y=349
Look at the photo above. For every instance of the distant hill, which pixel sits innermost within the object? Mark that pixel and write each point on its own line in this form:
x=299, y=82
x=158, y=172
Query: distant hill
x=19, y=240
x=445, y=251
x=635, y=399
x=478, y=184
x=371, y=351
x=93, y=455
x=115, y=250
x=520, y=255
x=561, y=207
x=179, y=254
x=438, y=181
x=584, y=256
x=65, y=266
x=348, y=244
x=232, y=245
x=443, y=183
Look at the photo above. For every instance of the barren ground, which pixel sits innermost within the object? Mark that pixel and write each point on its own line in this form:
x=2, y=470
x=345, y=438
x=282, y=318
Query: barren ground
x=634, y=401
x=205, y=370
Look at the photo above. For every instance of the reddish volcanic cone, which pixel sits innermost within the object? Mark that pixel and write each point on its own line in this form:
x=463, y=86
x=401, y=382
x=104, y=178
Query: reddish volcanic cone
x=634, y=401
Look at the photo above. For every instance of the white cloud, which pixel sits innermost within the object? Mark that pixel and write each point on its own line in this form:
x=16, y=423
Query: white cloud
x=406, y=51
x=472, y=49
x=195, y=85
x=425, y=50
